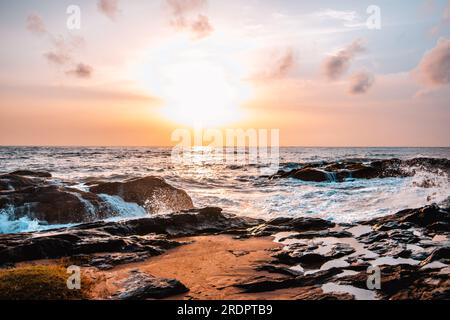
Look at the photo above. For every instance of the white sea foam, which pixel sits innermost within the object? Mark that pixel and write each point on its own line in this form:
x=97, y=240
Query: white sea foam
x=122, y=209
x=241, y=190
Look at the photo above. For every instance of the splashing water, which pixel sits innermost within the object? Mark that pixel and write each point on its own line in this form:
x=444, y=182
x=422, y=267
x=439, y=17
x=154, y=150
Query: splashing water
x=238, y=189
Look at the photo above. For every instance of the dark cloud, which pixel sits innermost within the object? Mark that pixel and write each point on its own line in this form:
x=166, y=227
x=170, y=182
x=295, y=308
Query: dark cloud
x=185, y=16
x=201, y=27
x=36, y=25
x=81, y=70
x=57, y=58
x=361, y=82
x=434, y=68
x=110, y=8
x=337, y=65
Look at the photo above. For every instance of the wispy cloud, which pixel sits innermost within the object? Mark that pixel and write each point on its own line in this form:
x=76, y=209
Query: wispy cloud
x=109, y=8
x=188, y=15
x=36, y=25
x=81, y=70
x=335, y=66
x=201, y=27
x=349, y=18
x=434, y=69
x=58, y=58
x=61, y=52
x=279, y=64
x=361, y=82
x=445, y=19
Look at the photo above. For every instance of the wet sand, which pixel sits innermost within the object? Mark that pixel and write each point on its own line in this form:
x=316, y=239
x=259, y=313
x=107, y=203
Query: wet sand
x=209, y=267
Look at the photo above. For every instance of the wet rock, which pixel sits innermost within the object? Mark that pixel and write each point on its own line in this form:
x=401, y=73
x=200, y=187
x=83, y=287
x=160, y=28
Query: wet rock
x=372, y=237
x=141, y=286
x=427, y=217
x=108, y=261
x=129, y=236
x=153, y=193
x=319, y=234
x=406, y=282
x=301, y=224
x=28, y=173
x=307, y=257
x=310, y=174
x=299, y=281
x=278, y=269
x=9, y=182
x=342, y=170
x=53, y=204
x=440, y=254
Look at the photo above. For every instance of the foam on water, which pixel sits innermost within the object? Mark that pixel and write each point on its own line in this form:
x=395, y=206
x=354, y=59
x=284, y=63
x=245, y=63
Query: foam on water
x=122, y=209
x=240, y=189
x=24, y=224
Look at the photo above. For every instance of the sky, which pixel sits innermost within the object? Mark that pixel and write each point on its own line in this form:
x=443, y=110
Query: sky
x=129, y=73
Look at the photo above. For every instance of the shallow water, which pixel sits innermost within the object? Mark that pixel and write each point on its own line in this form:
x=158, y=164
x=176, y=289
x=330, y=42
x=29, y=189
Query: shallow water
x=238, y=188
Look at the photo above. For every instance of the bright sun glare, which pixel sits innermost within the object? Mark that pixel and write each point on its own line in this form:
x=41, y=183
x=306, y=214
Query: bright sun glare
x=199, y=89
x=199, y=94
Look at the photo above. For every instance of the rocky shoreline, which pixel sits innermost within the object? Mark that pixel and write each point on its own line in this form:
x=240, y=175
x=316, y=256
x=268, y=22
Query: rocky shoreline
x=317, y=259
x=203, y=253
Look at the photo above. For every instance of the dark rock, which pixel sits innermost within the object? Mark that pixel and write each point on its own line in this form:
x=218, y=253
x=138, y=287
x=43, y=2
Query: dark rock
x=372, y=237
x=310, y=174
x=141, y=286
x=440, y=254
x=28, y=173
x=406, y=282
x=315, y=279
x=277, y=269
x=308, y=258
x=129, y=236
x=319, y=234
x=341, y=170
x=54, y=205
x=153, y=193
x=10, y=182
x=425, y=217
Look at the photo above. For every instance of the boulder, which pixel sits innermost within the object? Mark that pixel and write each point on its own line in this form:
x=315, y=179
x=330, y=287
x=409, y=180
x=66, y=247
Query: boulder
x=54, y=204
x=311, y=174
x=140, y=286
x=9, y=182
x=153, y=193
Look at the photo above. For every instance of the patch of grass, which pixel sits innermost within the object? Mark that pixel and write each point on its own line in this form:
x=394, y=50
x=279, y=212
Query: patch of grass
x=40, y=282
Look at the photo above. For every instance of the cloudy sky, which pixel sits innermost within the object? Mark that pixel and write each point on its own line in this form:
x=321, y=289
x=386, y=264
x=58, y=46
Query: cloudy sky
x=115, y=72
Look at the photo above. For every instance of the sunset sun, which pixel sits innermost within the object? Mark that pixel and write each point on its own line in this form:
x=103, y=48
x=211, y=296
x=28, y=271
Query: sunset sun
x=199, y=94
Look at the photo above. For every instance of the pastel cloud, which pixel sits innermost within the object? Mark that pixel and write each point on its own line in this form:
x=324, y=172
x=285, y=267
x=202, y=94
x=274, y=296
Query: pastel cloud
x=434, y=68
x=361, y=82
x=109, y=8
x=36, y=25
x=280, y=64
x=185, y=15
x=335, y=66
x=201, y=27
x=61, y=52
x=58, y=58
x=81, y=70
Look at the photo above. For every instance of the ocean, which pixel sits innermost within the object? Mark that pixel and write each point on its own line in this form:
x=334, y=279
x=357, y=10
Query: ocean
x=239, y=189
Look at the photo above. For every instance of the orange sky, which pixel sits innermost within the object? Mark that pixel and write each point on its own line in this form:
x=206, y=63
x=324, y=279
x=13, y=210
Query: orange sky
x=313, y=71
